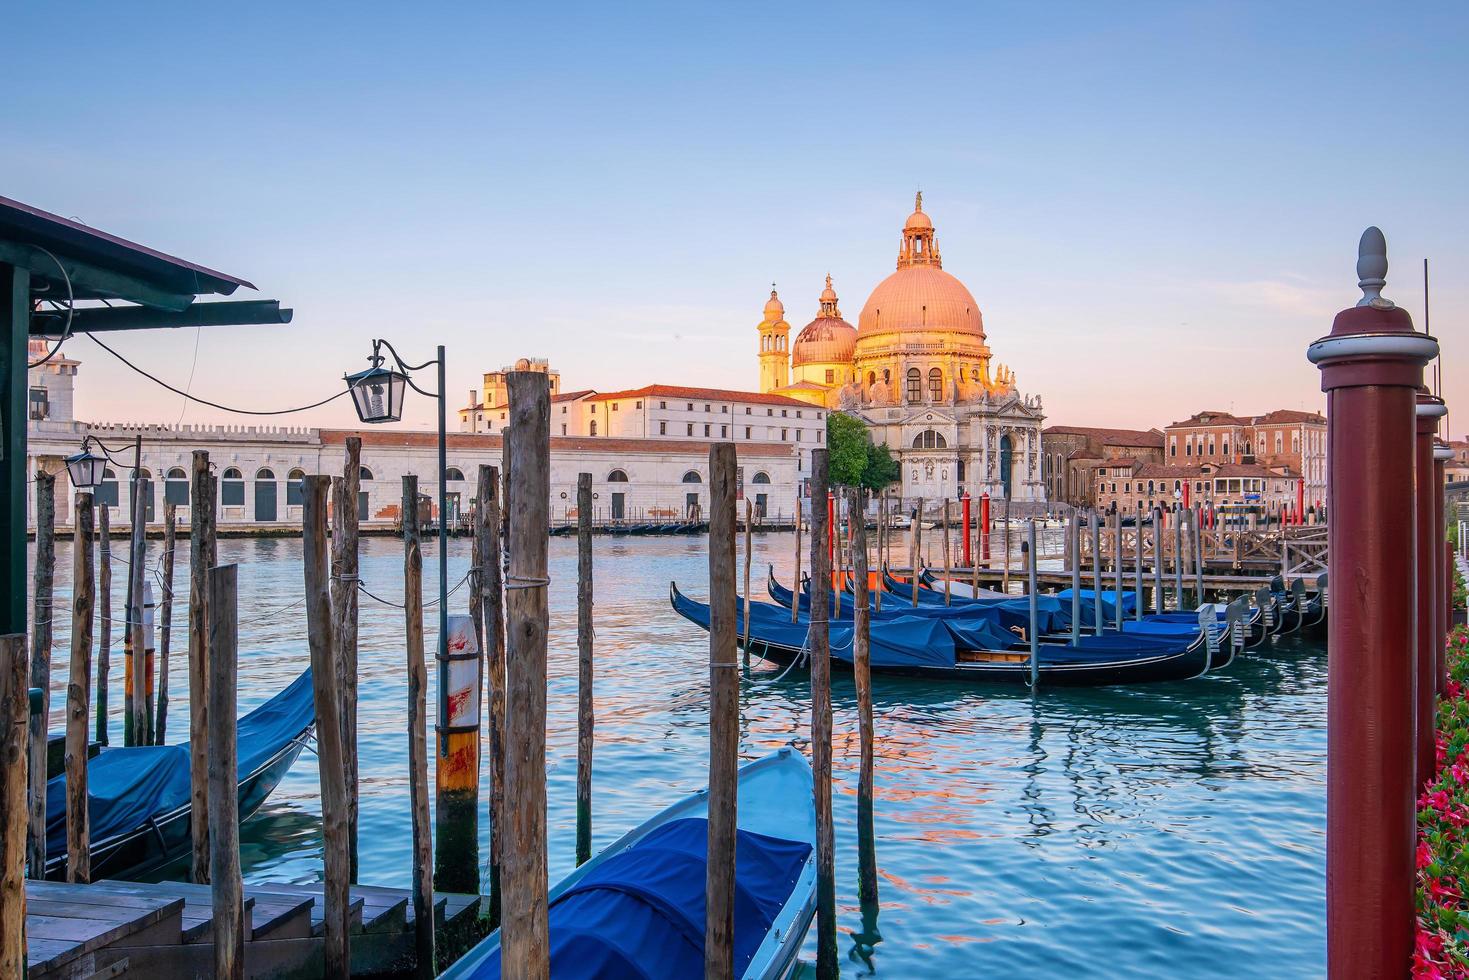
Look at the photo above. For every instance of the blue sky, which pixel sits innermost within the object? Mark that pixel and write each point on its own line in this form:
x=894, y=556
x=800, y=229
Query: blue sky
x=1156, y=205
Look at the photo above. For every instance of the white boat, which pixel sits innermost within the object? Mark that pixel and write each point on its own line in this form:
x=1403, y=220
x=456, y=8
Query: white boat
x=776, y=814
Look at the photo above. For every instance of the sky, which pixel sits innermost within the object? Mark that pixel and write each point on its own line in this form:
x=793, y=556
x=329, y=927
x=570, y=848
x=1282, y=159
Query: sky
x=1156, y=205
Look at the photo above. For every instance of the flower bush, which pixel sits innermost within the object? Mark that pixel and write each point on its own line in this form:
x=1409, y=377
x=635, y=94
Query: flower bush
x=1442, y=948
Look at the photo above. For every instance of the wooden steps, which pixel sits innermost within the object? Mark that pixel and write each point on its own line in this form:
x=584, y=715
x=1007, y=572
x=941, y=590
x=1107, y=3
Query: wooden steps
x=166, y=928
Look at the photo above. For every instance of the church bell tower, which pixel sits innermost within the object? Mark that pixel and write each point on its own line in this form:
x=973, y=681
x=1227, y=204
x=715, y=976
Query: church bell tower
x=775, y=356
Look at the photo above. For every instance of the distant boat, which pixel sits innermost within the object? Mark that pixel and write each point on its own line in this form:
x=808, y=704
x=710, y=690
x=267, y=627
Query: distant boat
x=637, y=908
x=138, y=798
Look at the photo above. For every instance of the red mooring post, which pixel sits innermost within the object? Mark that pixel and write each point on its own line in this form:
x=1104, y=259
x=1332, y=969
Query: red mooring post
x=1371, y=366
x=831, y=525
x=984, y=527
x=968, y=552
x=1427, y=411
x=1443, y=569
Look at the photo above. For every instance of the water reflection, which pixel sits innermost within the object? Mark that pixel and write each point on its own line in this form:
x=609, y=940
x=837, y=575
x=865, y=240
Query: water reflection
x=1179, y=827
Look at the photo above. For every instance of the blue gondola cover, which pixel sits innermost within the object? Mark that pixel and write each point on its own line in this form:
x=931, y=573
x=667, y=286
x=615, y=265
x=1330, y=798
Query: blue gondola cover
x=640, y=915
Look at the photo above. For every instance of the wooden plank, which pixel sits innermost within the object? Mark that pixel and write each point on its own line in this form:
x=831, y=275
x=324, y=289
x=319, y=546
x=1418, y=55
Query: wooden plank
x=326, y=684
x=417, y=732
x=585, y=709
x=14, y=718
x=145, y=919
x=224, y=815
x=352, y=908
x=524, y=939
x=41, y=633
x=78, y=832
x=201, y=559
x=724, y=717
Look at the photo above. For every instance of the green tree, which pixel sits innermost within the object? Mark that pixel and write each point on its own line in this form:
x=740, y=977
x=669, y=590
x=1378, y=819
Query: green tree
x=847, y=443
x=854, y=460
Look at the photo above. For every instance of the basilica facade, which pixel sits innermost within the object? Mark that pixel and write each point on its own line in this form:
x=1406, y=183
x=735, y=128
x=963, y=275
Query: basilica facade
x=917, y=370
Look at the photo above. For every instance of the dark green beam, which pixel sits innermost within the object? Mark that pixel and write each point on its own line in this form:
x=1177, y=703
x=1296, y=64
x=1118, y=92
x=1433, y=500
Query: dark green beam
x=90, y=281
x=15, y=309
x=49, y=323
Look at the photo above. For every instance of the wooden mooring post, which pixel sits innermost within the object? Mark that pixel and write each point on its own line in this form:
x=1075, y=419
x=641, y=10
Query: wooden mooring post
x=14, y=763
x=344, y=594
x=1371, y=366
x=915, y=556
x=41, y=633
x=524, y=938
x=796, y=580
x=1138, y=608
x=165, y=622
x=423, y=869
x=493, y=613
x=226, y=888
x=1158, y=603
x=1198, y=530
x=749, y=561
x=820, y=647
x=948, y=588
x=724, y=718
x=326, y=686
x=104, y=617
x=862, y=677
x=78, y=834
x=1117, y=567
x=1033, y=632
x=1179, y=519
x=135, y=651
x=1099, y=620
x=201, y=559
x=585, y=705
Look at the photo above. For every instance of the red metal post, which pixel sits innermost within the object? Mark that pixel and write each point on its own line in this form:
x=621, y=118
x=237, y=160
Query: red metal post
x=1443, y=570
x=1185, y=495
x=984, y=527
x=968, y=552
x=1371, y=366
x=1425, y=549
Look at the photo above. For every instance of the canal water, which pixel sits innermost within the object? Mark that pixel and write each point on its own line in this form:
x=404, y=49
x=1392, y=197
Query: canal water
x=1173, y=830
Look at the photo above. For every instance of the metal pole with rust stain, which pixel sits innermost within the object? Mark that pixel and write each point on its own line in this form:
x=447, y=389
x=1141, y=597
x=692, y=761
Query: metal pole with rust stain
x=14, y=763
x=820, y=647
x=326, y=683
x=78, y=833
x=1427, y=412
x=585, y=705
x=1371, y=366
x=724, y=718
x=41, y=633
x=525, y=941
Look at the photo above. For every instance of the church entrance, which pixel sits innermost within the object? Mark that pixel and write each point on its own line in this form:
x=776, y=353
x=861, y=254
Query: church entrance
x=1007, y=464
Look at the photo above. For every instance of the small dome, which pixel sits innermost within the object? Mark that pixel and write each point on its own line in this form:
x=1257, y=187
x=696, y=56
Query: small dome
x=774, y=308
x=828, y=295
x=825, y=340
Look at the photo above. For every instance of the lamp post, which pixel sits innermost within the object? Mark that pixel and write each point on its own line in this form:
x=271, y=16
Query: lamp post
x=377, y=394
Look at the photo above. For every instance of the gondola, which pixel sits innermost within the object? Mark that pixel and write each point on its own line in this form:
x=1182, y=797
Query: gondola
x=1287, y=607
x=637, y=908
x=928, y=646
x=138, y=798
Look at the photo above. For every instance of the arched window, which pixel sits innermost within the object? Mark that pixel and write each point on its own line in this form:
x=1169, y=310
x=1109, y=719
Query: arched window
x=454, y=473
x=265, y=473
x=929, y=439
x=935, y=384
x=761, y=477
x=176, y=487
x=265, y=495
x=294, y=488
x=363, y=473
x=872, y=377
x=107, y=492
x=886, y=376
x=617, y=476
x=232, y=488
x=593, y=428
x=915, y=385
x=974, y=375
x=692, y=477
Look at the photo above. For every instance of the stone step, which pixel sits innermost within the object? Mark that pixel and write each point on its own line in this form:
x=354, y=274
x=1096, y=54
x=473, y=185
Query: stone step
x=198, y=913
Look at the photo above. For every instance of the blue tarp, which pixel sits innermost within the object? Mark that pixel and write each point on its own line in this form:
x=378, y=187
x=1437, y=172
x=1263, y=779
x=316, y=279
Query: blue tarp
x=640, y=914
x=126, y=786
x=1088, y=608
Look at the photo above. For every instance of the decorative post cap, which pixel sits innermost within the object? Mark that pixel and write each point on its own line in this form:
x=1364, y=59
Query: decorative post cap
x=1442, y=451
x=1372, y=269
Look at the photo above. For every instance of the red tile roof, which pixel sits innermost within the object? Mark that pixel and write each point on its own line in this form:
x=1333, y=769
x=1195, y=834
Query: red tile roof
x=708, y=394
x=571, y=396
x=1209, y=418
x=1283, y=416
x=1145, y=438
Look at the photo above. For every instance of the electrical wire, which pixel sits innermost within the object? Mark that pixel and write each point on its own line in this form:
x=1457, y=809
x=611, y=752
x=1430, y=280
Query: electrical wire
x=201, y=401
x=70, y=310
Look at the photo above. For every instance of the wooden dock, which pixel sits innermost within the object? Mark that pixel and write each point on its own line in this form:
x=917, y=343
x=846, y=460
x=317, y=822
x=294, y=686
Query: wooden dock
x=165, y=929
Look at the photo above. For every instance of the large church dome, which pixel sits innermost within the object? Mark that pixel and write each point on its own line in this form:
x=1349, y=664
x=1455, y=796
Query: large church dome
x=920, y=296
x=827, y=339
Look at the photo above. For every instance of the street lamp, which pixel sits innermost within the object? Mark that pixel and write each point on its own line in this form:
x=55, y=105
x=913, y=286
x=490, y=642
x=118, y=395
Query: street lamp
x=377, y=394
x=86, y=469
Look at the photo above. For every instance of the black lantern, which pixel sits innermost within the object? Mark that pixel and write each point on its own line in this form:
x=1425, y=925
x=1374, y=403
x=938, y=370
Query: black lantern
x=378, y=392
x=86, y=469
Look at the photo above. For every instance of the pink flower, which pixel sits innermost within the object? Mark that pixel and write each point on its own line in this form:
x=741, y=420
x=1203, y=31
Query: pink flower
x=1440, y=889
x=1425, y=855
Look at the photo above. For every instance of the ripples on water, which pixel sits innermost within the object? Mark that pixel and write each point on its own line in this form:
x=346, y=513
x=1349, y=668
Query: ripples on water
x=1171, y=829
